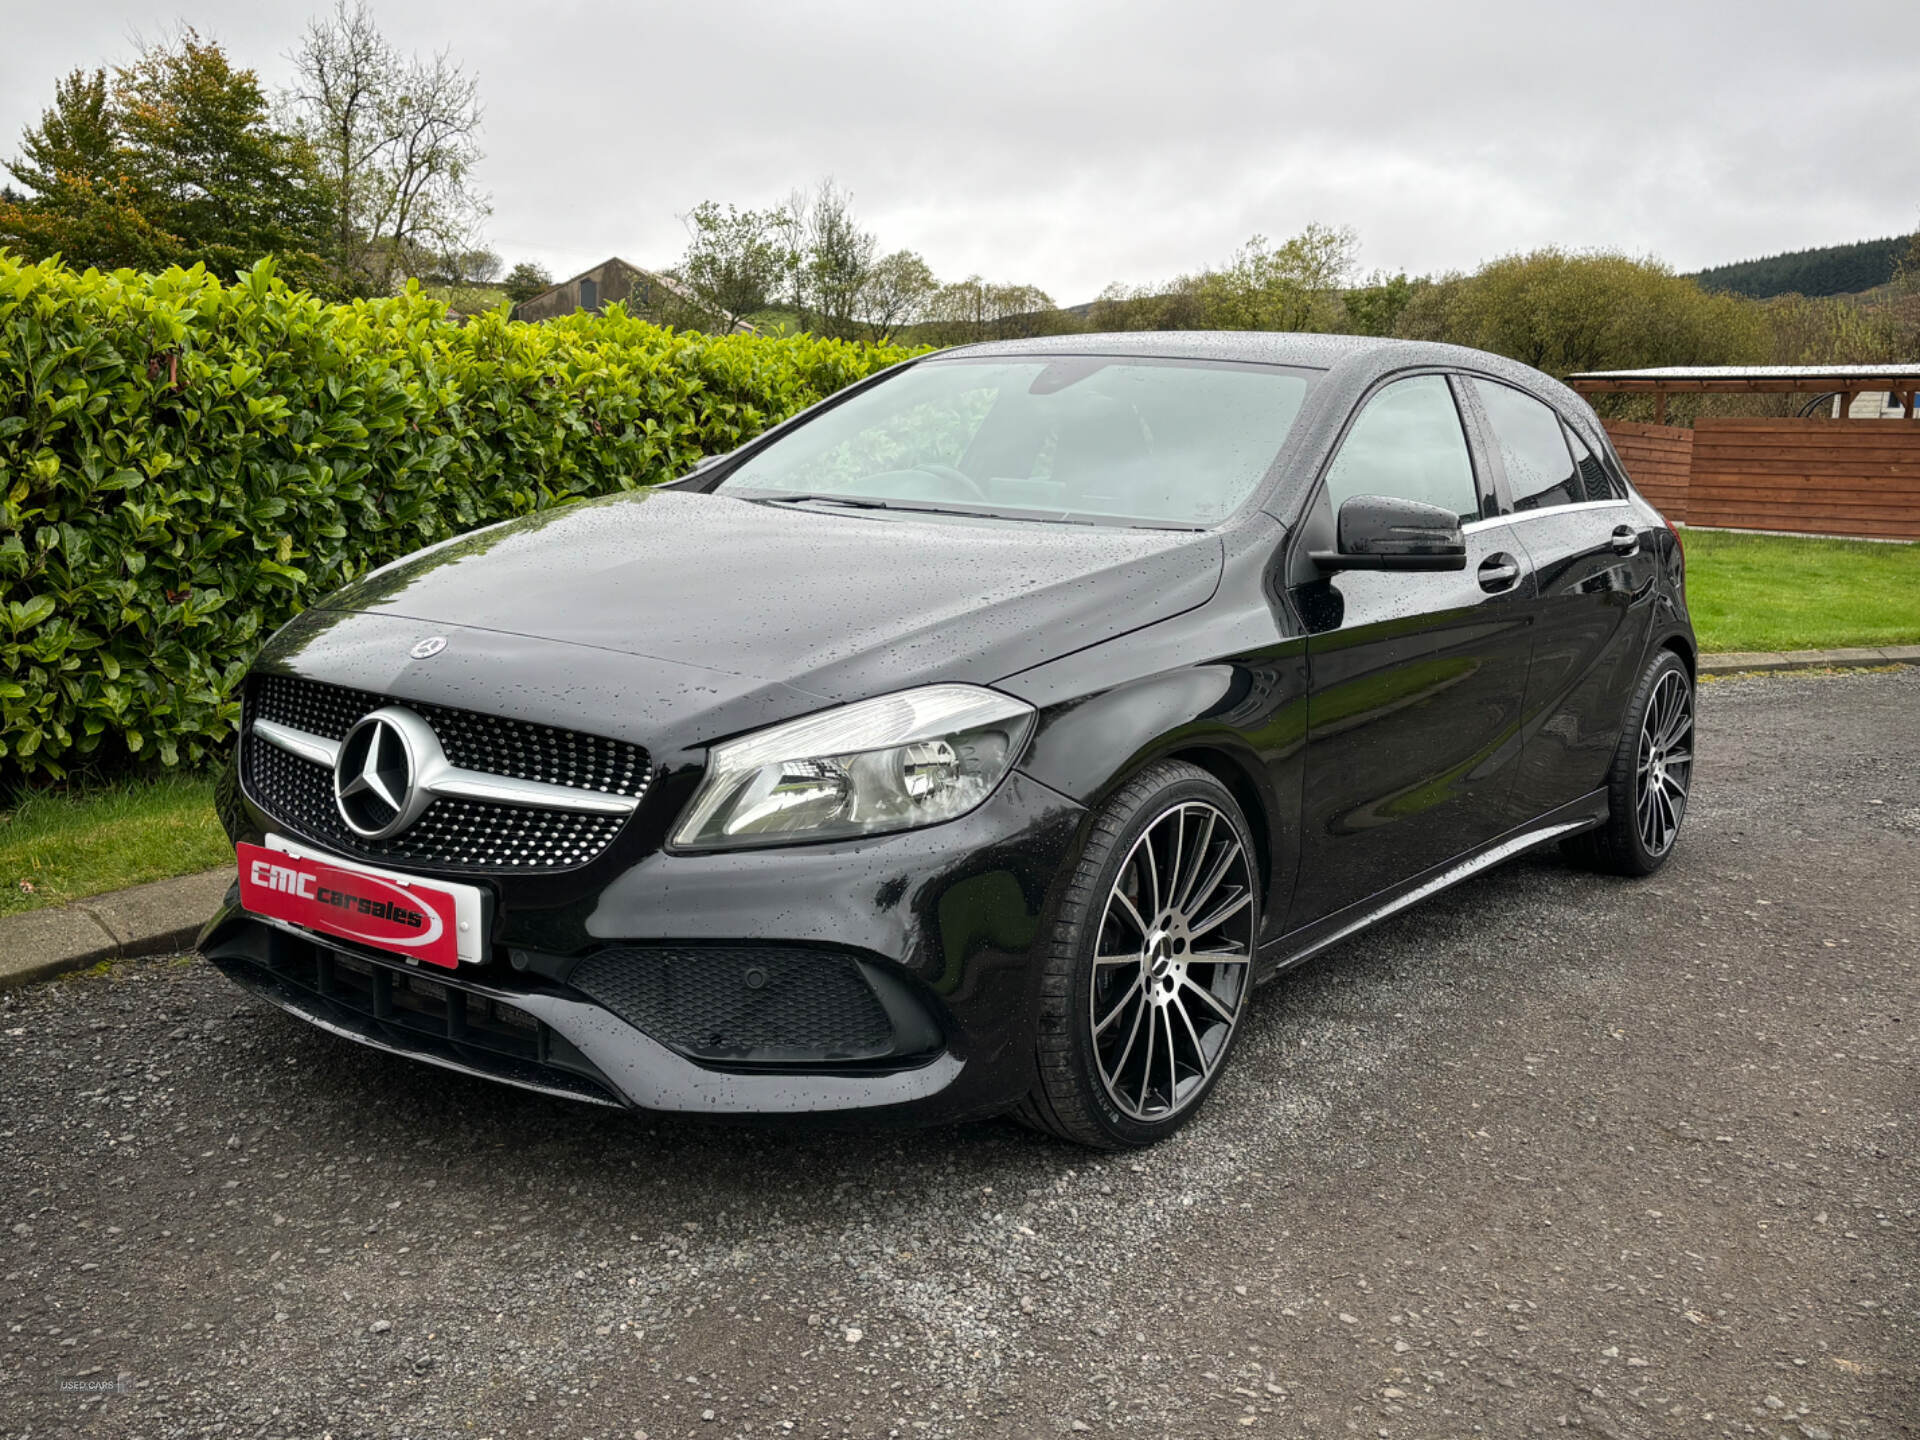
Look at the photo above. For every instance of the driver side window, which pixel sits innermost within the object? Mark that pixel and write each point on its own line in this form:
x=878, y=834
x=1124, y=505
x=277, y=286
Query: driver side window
x=1408, y=444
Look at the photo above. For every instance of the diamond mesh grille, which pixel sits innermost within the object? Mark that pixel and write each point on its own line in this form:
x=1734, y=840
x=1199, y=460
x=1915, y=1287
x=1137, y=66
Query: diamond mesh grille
x=453, y=834
x=740, y=1003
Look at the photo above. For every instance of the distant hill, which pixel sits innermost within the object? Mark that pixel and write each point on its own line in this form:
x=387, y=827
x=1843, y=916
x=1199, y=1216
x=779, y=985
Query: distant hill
x=1832, y=270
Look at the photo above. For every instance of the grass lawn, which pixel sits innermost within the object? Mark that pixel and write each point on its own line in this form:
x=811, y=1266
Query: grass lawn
x=66, y=845
x=1781, y=592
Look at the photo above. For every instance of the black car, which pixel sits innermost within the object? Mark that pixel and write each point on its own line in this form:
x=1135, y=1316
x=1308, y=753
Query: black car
x=975, y=741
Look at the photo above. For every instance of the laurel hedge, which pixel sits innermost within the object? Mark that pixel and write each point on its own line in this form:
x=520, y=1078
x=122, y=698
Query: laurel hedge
x=184, y=465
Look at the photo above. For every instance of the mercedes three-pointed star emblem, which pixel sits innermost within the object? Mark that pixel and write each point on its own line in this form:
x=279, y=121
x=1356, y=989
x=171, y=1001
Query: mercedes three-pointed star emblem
x=376, y=775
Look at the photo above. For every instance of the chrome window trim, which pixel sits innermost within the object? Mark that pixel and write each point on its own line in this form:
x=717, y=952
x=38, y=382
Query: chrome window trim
x=1563, y=509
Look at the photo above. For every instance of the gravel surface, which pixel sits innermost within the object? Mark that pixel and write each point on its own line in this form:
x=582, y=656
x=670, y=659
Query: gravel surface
x=1551, y=1150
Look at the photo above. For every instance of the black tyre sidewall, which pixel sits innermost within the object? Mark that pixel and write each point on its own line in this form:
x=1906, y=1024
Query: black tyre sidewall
x=1192, y=784
x=1629, y=849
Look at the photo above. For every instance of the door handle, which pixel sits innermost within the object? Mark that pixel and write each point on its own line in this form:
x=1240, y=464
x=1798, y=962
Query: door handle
x=1626, y=540
x=1498, y=572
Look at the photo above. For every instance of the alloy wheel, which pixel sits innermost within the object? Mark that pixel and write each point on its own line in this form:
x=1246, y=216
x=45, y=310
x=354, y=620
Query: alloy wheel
x=1665, y=768
x=1172, y=961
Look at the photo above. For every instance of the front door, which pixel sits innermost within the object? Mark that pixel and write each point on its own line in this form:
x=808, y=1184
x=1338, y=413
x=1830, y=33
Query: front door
x=1415, y=679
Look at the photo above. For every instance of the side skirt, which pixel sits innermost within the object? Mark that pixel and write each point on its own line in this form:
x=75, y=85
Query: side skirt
x=1309, y=940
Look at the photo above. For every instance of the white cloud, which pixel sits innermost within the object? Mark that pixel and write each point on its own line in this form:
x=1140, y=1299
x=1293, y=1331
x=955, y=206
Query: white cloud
x=1081, y=141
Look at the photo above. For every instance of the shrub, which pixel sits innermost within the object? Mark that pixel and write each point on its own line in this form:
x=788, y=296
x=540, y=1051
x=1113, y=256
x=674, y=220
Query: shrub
x=1564, y=313
x=186, y=465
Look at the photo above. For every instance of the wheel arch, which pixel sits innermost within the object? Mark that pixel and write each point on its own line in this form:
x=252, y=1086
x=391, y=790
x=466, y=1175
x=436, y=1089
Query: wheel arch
x=1232, y=772
x=1683, y=645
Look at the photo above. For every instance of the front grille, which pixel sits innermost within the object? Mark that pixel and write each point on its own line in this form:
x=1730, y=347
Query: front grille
x=453, y=834
x=742, y=1003
x=414, y=1014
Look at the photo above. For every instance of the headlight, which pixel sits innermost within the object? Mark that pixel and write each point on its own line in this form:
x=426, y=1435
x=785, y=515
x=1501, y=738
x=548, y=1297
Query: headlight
x=895, y=763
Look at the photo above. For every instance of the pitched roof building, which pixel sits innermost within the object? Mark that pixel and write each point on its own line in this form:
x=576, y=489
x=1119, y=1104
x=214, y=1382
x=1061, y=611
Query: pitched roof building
x=643, y=292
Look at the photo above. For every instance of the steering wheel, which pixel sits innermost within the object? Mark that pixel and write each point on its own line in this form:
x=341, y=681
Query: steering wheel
x=954, y=476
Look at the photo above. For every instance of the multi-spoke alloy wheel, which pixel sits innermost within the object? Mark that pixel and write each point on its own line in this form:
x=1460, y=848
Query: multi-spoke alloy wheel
x=1664, y=763
x=1649, y=777
x=1148, y=968
x=1170, y=974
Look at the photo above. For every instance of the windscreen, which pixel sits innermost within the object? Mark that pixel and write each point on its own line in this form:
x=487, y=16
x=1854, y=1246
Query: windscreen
x=1077, y=437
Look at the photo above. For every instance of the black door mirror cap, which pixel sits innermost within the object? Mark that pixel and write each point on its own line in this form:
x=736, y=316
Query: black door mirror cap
x=1384, y=532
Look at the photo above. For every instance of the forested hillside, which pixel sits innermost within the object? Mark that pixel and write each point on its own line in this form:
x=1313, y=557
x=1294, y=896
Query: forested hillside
x=1831, y=270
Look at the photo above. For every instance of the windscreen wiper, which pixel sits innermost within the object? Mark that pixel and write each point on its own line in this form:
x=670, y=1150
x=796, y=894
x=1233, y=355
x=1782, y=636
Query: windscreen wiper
x=912, y=507
x=983, y=512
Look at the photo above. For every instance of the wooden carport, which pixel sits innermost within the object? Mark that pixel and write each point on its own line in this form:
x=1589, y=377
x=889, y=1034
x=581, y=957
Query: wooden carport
x=1831, y=476
x=1846, y=381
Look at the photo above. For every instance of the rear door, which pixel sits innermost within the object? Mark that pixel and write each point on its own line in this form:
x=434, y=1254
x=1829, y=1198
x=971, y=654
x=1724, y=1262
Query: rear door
x=1593, y=556
x=1416, y=679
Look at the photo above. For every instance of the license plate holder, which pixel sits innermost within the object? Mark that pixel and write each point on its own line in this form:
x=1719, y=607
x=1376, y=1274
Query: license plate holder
x=433, y=922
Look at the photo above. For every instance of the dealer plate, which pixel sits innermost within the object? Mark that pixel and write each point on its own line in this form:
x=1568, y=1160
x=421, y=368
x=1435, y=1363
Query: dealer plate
x=433, y=921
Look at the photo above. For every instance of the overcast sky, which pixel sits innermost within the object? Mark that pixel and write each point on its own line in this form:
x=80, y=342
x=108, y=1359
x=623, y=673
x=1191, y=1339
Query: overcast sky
x=1069, y=143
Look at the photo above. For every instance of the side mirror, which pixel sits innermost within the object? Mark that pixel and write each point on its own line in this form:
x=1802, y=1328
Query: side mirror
x=1380, y=532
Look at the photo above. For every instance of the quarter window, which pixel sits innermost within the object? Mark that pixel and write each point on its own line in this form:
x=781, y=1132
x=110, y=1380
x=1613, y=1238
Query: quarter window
x=1407, y=444
x=1533, y=448
x=1594, y=480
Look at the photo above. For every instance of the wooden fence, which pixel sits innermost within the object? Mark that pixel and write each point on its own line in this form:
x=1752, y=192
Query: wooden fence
x=1660, y=460
x=1829, y=477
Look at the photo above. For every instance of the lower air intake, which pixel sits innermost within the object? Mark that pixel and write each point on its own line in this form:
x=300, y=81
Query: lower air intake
x=744, y=1004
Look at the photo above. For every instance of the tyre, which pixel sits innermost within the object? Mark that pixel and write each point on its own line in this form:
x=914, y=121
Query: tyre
x=1652, y=772
x=1148, y=966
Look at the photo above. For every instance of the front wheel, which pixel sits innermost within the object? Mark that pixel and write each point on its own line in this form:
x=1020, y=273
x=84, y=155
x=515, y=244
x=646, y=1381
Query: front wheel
x=1149, y=964
x=1650, y=778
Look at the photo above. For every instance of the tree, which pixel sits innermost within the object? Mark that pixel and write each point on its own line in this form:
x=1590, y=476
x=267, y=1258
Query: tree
x=1565, y=313
x=469, y=267
x=1294, y=286
x=175, y=160
x=211, y=167
x=1375, y=307
x=398, y=142
x=972, y=309
x=833, y=256
x=1174, y=306
x=896, y=291
x=737, y=261
x=346, y=72
x=1832, y=330
x=526, y=280
x=79, y=202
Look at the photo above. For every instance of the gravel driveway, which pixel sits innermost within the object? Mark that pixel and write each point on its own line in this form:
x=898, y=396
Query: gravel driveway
x=1551, y=1150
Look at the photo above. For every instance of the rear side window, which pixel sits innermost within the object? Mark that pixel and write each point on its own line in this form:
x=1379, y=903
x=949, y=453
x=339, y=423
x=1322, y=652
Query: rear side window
x=1533, y=448
x=1407, y=444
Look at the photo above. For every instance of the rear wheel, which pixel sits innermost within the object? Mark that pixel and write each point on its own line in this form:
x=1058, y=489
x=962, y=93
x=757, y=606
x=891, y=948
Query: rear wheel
x=1149, y=964
x=1650, y=778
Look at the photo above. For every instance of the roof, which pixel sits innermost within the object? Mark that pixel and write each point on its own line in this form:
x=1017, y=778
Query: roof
x=1361, y=359
x=1903, y=375
x=610, y=260
x=665, y=282
x=1259, y=347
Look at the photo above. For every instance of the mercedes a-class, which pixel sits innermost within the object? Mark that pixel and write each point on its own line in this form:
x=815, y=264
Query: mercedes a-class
x=975, y=741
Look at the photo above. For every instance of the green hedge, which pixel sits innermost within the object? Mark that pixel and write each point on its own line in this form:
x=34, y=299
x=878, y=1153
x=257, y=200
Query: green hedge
x=185, y=465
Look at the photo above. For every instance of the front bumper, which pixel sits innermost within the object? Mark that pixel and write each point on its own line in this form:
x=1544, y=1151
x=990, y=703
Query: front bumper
x=940, y=923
